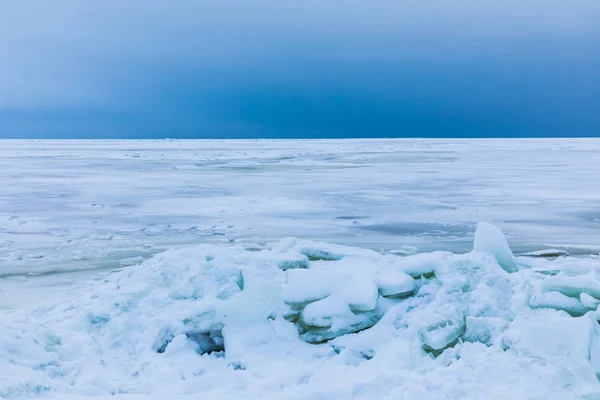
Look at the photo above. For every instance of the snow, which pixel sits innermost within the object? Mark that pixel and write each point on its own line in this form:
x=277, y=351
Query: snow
x=165, y=270
x=255, y=303
x=90, y=204
x=395, y=283
x=306, y=286
x=558, y=301
x=484, y=330
x=321, y=313
x=442, y=333
x=589, y=301
x=220, y=321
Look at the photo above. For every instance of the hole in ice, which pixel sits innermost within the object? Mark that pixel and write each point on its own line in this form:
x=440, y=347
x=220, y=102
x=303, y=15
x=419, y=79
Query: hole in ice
x=208, y=341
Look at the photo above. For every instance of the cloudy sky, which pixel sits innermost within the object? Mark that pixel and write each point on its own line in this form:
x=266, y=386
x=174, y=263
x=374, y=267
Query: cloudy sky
x=222, y=68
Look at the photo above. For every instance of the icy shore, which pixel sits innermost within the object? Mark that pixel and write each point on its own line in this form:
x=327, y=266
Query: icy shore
x=305, y=320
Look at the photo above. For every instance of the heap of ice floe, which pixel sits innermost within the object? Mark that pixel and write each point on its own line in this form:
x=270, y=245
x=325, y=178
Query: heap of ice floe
x=485, y=324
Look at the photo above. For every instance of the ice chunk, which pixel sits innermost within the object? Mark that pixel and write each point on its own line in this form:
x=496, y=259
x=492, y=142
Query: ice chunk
x=423, y=264
x=320, y=313
x=548, y=253
x=293, y=261
x=345, y=324
x=484, y=329
x=165, y=336
x=395, y=284
x=589, y=301
x=321, y=251
x=178, y=343
x=230, y=290
x=491, y=297
x=255, y=303
x=305, y=286
x=490, y=239
x=441, y=334
x=359, y=292
x=573, y=286
x=285, y=245
x=557, y=301
x=464, y=272
x=203, y=318
x=314, y=251
x=549, y=336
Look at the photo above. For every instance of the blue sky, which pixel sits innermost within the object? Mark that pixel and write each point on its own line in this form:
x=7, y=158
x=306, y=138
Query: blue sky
x=428, y=68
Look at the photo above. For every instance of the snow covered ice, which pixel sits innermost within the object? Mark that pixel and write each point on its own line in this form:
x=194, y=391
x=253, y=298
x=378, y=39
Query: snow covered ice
x=440, y=283
x=219, y=321
x=108, y=203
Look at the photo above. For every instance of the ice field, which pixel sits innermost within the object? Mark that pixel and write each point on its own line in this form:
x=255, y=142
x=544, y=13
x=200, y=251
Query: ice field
x=351, y=269
x=83, y=204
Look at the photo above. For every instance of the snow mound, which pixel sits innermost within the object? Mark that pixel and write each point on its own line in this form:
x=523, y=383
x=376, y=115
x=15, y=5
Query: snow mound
x=315, y=320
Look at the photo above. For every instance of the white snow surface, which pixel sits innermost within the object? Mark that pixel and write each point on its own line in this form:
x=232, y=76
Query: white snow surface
x=330, y=327
x=162, y=269
x=78, y=204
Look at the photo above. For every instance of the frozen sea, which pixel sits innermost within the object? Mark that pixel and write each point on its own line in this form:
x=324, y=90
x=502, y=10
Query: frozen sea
x=300, y=269
x=68, y=205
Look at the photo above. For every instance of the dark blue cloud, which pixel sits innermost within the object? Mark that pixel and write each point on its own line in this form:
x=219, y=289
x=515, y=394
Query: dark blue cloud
x=204, y=70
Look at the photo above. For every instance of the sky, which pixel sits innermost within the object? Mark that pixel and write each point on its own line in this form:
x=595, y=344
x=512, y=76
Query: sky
x=301, y=69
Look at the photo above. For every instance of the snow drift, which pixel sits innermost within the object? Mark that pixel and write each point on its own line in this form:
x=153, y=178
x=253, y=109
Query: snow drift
x=304, y=320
